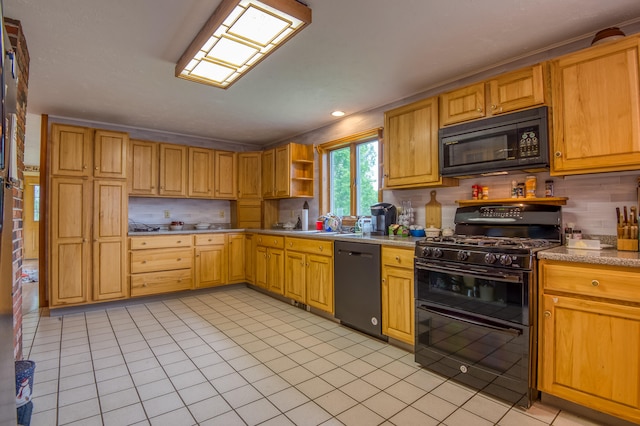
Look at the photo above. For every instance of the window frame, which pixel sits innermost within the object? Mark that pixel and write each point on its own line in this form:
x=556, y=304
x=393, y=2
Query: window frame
x=324, y=151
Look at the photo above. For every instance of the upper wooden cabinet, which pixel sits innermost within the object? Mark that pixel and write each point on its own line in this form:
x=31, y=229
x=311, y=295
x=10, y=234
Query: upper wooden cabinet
x=200, y=182
x=287, y=171
x=249, y=175
x=82, y=151
x=143, y=168
x=173, y=170
x=411, y=146
x=596, y=105
x=508, y=92
x=225, y=172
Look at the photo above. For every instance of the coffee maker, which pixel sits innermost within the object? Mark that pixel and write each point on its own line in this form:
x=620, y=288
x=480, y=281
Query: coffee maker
x=382, y=215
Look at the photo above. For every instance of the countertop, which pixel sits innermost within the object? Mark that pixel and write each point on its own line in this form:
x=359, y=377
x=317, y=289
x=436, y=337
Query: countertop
x=607, y=256
x=372, y=239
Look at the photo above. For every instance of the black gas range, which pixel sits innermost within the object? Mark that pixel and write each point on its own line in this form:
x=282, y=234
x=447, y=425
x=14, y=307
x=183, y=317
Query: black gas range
x=476, y=297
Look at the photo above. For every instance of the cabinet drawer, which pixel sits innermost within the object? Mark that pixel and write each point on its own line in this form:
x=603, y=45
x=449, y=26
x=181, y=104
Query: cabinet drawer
x=270, y=241
x=400, y=257
x=209, y=239
x=161, y=260
x=163, y=241
x=591, y=280
x=309, y=246
x=160, y=282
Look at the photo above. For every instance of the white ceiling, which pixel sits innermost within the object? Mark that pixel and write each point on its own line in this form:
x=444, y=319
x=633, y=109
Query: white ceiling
x=113, y=61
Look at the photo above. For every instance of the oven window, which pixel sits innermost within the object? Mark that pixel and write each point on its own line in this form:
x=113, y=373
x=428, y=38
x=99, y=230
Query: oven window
x=490, y=298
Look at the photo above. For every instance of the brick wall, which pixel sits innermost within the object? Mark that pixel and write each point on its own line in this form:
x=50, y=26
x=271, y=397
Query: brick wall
x=19, y=45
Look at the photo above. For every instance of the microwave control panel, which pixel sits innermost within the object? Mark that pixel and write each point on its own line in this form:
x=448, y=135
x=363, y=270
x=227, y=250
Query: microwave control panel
x=528, y=144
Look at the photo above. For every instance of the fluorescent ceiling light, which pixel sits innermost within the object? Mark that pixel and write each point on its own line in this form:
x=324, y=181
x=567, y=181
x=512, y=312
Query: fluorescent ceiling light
x=239, y=35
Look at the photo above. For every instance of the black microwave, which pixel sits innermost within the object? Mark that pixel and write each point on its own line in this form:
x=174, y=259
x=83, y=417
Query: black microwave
x=512, y=142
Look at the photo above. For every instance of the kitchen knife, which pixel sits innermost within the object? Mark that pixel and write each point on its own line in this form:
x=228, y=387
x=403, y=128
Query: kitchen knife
x=626, y=220
x=618, y=217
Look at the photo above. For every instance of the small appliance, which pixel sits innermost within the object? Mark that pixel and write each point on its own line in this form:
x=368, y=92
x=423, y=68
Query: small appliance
x=383, y=215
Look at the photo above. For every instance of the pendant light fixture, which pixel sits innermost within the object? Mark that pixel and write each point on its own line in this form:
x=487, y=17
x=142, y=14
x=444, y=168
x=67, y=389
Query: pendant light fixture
x=239, y=35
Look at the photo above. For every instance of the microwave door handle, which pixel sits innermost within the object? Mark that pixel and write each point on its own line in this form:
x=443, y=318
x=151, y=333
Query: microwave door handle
x=513, y=331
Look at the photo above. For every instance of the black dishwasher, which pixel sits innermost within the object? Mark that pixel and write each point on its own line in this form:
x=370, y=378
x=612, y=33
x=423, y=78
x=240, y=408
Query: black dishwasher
x=358, y=301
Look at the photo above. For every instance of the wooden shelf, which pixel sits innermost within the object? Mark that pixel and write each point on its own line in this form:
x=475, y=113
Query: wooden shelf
x=553, y=201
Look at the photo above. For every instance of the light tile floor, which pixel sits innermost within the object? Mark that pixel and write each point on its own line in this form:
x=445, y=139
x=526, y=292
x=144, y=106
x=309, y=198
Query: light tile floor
x=238, y=357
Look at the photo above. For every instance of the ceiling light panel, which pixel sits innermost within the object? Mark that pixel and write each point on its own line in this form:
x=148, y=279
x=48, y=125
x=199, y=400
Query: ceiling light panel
x=238, y=36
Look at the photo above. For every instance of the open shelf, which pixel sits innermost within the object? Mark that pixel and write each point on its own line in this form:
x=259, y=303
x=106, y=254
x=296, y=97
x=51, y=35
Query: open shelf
x=553, y=201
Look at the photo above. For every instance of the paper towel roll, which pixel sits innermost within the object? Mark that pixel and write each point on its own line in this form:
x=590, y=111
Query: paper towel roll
x=305, y=220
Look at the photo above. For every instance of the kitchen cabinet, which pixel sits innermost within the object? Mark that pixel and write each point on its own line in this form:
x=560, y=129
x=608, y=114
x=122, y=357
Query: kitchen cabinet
x=250, y=175
x=160, y=264
x=596, y=104
x=173, y=170
x=226, y=179
x=309, y=272
x=246, y=213
x=507, y=92
x=143, y=168
x=237, y=260
x=288, y=171
x=270, y=263
x=411, y=146
x=200, y=182
x=397, y=294
x=87, y=215
x=210, y=260
x=589, y=336
x=250, y=258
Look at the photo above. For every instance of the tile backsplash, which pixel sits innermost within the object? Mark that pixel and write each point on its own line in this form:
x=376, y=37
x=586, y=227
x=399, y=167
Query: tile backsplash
x=150, y=211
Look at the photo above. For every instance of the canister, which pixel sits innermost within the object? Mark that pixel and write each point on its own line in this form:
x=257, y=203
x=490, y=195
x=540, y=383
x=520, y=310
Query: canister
x=530, y=184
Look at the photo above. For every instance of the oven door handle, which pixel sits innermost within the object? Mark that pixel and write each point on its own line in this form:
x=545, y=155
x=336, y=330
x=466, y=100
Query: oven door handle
x=482, y=274
x=513, y=331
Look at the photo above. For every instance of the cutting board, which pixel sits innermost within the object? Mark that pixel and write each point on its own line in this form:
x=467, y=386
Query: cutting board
x=433, y=212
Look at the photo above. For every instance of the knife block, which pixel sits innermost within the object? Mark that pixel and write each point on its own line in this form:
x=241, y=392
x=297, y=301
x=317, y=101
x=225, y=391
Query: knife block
x=625, y=244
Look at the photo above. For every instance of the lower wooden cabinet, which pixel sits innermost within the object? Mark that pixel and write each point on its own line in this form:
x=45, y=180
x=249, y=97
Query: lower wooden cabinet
x=397, y=294
x=270, y=263
x=250, y=259
x=309, y=272
x=210, y=260
x=589, y=337
x=236, y=250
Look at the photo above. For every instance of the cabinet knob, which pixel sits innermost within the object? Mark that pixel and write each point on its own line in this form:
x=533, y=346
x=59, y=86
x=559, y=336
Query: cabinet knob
x=144, y=243
x=84, y=240
x=96, y=167
x=84, y=166
x=269, y=256
x=144, y=284
x=275, y=241
x=493, y=107
x=144, y=261
x=398, y=258
x=595, y=283
x=479, y=109
x=320, y=248
x=384, y=281
x=558, y=154
x=307, y=265
x=179, y=259
x=179, y=241
x=547, y=314
x=209, y=239
x=197, y=255
x=290, y=244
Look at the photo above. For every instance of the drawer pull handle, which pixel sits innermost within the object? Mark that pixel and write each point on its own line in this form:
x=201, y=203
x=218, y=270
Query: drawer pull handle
x=144, y=261
x=547, y=314
x=144, y=243
x=179, y=241
x=179, y=259
x=595, y=283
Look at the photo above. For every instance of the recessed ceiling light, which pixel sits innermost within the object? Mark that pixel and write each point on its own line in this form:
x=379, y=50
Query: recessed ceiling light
x=337, y=113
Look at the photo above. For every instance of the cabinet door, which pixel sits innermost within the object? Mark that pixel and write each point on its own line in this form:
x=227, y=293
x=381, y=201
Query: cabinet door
x=173, y=170
x=143, y=168
x=282, y=171
x=295, y=268
x=110, y=154
x=250, y=259
x=70, y=250
x=249, y=175
x=320, y=282
x=463, y=104
x=226, y=180
x=200, y=183
x=411, y=145
x=275, y=270
x=210, y=266
x=261, y=267
x=109, y=239
x=589, y=354
x=517, y=90
x=236, y=258
x=268, y=173
x=596, y=105
x=71, y=150
x=397, y=303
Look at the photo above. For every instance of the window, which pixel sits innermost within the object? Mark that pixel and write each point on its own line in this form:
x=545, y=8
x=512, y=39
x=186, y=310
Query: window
x=350, y=168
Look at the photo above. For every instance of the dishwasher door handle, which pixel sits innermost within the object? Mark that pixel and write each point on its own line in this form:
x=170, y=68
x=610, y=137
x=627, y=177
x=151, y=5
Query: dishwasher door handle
x=355, y=253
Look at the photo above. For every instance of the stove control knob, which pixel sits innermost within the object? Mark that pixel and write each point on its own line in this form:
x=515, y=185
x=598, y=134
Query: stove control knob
x=437, y=252
x=490, y=258
x=426, y=251
x=462, y=255
x=505, y=260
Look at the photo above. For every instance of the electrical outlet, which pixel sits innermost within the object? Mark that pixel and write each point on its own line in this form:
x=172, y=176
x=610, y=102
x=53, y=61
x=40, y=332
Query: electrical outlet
x=221, y=213
x=167, y=214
